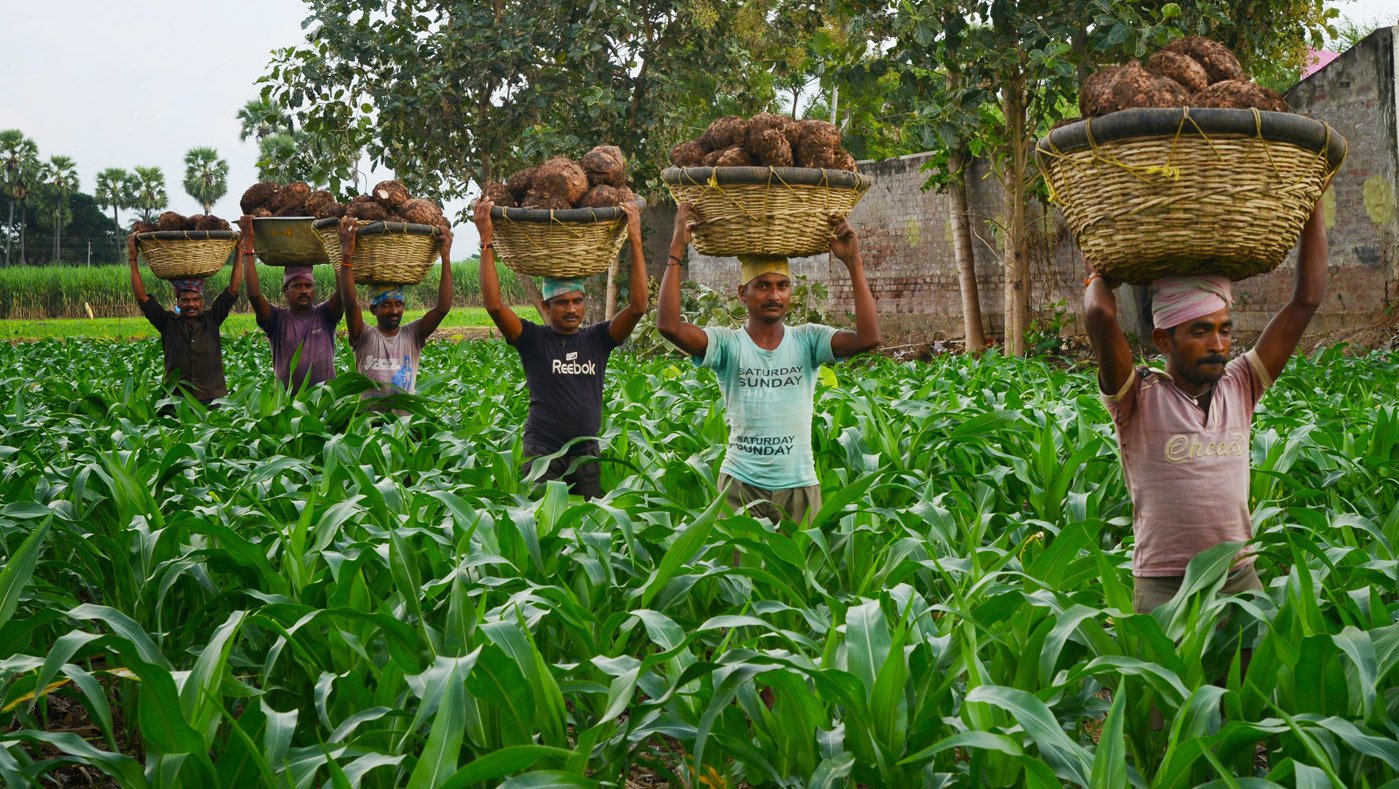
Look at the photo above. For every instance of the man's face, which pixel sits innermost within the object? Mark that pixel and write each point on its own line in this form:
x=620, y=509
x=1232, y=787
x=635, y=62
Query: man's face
x=767, y=296
x=389, y=313
x=191, y=303
x=566, y=311
x=300, y=294
x=1198, y=350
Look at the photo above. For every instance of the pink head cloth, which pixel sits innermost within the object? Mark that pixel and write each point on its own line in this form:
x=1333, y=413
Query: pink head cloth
x=1177, y=300
x=294, y=273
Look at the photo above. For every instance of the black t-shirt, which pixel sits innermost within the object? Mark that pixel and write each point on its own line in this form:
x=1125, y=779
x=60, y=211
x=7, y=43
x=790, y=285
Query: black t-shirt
x=564, y=375
x=193, y=350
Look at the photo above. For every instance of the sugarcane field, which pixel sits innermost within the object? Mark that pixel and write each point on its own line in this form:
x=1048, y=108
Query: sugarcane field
x=703, y=394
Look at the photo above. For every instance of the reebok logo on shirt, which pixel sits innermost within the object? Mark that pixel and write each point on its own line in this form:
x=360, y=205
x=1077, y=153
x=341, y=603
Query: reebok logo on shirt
x=560, y=367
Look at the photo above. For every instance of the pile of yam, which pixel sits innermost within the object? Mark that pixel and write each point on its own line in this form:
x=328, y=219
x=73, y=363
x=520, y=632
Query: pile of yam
x=765, y=140
x=1189, y=72
x=596, y=180
x=388, y=201
x=171, y=220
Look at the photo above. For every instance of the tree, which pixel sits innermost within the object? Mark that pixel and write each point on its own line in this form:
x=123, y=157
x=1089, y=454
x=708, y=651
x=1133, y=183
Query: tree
x=60, y=175
x=116, y=189
x=206, y=176
x=20, y=157
x=258, y=118
x=149, y=191
x=451, y=95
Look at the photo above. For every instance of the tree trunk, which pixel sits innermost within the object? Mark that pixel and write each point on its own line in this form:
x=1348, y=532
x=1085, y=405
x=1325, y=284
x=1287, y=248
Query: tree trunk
x=57, y=232
x=1141, y=295
x=9, y=229
x=21, y=234
x=614, y=284
x=965, y=255
x=532, y=293
x=1017, y=287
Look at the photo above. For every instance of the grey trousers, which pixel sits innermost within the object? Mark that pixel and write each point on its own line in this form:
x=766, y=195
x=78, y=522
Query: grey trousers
x=1148, y=593
x=796, y=504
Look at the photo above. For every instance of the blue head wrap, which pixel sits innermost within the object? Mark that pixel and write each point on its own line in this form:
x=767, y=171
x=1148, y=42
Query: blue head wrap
x=382, y=293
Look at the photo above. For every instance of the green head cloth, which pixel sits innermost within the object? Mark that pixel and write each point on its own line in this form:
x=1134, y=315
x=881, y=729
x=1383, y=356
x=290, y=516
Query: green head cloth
x=558, y=287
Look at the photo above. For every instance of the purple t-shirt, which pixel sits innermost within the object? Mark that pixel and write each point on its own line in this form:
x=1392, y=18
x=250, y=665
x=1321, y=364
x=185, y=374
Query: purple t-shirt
x=313, y=332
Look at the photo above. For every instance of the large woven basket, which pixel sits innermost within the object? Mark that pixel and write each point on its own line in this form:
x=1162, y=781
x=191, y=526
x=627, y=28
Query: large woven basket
x=765, y=210
x=288, y=241
x=394, y=253
x=1151, y=193
x=576, y=242
x=187, y=254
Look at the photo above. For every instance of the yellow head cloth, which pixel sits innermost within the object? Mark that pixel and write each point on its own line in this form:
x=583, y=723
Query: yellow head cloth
x=753, y=266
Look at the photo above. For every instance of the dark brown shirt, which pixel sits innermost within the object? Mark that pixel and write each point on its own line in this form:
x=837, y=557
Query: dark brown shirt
x=193, y=351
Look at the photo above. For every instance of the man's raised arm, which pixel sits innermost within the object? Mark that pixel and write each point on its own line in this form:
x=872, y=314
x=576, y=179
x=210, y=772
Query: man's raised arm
x=261, y=308
x=345, y=279
x=639, y=287
x=137, y=285
x=1284, y=332
x=846, y=247
x=1109, y=343
x=433, y=317
x=686, y=336
x=502, y=316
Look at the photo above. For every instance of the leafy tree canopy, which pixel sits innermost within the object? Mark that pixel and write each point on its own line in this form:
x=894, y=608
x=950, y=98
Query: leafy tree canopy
x=450, y=93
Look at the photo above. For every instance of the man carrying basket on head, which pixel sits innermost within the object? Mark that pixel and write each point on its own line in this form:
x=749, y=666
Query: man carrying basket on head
x=1184, y=432
x=767, y=372
x=564, y=361
x=189, y=336
x=303, y=325
x=387, y=353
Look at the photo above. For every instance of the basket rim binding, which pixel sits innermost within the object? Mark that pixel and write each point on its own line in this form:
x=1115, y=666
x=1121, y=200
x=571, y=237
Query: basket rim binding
x=776, y=176
x=1153, y=123
x=380, y=227
x=189, y=235
x=575, y=216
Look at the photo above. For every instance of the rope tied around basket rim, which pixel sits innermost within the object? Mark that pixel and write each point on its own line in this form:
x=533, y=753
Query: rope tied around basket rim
x=712, y=184
x=1169, y=170
x=579, y=233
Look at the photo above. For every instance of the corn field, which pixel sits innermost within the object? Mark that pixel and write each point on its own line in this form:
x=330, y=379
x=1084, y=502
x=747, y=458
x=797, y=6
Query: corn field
x=284, y=592
x=30, y=292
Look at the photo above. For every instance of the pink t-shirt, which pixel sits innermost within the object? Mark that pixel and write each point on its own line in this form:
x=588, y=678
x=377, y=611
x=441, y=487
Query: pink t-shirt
x=1187, y=471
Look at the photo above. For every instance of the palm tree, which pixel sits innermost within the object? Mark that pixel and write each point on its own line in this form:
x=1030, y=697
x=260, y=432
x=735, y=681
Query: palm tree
x=206, y=176
x=61, y=173
x=150, y=191
x=258, y=119
x=115, y=190
x=19, y=156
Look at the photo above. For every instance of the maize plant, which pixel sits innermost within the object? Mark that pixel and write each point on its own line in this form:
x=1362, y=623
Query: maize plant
x=290, y=592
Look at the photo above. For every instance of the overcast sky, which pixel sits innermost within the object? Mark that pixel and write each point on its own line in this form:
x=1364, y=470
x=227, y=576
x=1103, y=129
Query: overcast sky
x=121, y=84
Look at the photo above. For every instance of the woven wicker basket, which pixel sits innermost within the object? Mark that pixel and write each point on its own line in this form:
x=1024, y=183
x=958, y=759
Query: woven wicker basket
x=394, y=253
x=288, y=241
x=576, y=242
x=187, y=254
x=765, y=210
x=1151, y=193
